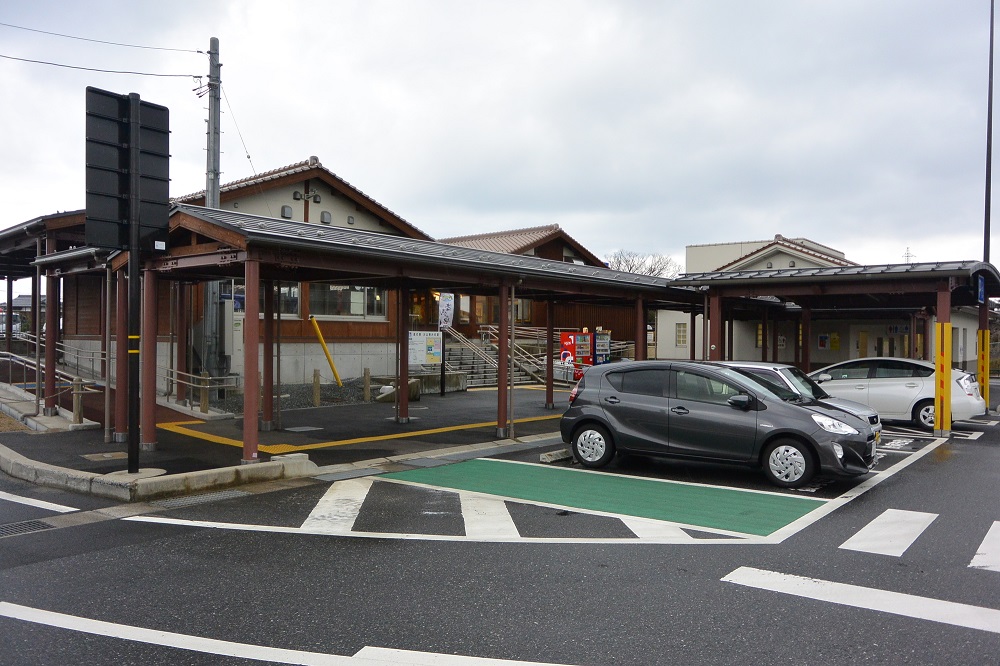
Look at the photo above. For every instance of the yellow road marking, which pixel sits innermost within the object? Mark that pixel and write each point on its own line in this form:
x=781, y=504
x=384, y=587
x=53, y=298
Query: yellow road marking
x=179, y=428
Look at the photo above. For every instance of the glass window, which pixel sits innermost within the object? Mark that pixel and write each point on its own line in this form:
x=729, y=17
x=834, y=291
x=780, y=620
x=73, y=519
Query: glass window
x=856, y=370
x=901, y=369
x=691, y=386
x=337, y=300
x=644, y=382
x=681, y=334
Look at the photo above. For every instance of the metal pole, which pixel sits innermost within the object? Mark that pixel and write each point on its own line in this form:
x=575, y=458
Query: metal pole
x=134, y=295
x=989, y=149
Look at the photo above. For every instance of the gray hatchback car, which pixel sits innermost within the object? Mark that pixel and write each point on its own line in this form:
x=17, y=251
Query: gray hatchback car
x=708, y=412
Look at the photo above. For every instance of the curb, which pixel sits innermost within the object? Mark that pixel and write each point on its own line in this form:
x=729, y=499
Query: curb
x=289, y=466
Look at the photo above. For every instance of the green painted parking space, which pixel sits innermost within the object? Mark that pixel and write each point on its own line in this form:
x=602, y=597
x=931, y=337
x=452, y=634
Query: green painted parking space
x=747, y=512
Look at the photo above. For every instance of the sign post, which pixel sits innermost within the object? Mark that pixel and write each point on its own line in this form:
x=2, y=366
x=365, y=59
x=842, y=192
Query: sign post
x=127, y=165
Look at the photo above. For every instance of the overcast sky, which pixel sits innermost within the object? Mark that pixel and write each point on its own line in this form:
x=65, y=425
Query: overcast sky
x=647, y=126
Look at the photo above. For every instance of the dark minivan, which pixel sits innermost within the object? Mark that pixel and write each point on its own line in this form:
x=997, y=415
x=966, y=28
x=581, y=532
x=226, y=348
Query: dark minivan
x=708, y=412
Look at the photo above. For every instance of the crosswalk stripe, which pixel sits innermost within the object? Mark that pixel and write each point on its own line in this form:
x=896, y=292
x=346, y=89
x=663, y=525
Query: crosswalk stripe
x=336, y=512
x=891, y=533
x=486, y=517
x=988, y=555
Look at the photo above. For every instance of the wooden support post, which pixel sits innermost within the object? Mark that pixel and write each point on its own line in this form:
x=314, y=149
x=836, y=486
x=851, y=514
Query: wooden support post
x=147, y=383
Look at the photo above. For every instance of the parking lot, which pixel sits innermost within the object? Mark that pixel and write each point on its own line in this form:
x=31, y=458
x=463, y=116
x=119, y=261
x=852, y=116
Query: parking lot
x=508, y=495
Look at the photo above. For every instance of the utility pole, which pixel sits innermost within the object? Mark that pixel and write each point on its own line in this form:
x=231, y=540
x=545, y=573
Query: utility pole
x=210, y=360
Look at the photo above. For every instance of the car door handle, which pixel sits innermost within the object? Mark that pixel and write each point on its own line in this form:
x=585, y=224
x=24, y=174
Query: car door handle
x=612, y=400
x=860, y=387
x=680, y=410
x=912, y=385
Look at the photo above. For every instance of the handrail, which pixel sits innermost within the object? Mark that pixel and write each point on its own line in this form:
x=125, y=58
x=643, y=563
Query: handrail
x=465, y=343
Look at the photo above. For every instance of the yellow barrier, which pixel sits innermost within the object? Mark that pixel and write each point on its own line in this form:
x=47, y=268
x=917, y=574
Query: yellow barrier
x=326, y=351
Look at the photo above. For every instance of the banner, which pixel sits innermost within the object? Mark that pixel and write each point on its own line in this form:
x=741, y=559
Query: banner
x=446, y=310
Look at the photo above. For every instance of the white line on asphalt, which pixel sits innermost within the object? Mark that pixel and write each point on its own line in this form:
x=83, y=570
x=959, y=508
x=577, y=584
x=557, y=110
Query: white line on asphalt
x=276, y=529
x=988, y=555
x=890, y=533
x=411, y=658
x=336, y=512
x=906, y=605
x=367, y=656
x=38, y=504
x=167, y=638
x=486, y=516
x=645, y=528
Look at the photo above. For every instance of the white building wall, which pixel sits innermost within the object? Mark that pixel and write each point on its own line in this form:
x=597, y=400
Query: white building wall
x=343, y=212
x=830, y=341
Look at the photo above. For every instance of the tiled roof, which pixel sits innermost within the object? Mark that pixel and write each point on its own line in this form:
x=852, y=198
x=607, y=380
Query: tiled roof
x=516, y=241
x=780, y=242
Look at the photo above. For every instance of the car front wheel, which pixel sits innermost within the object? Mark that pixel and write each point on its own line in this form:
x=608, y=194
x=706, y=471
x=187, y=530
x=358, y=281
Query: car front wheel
x=923, y=415
x=592, y=446
x=788, y=463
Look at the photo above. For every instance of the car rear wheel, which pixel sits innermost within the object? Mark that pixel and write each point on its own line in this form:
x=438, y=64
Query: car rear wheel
x=592, y=446
x=923, y=414
x=788, y=463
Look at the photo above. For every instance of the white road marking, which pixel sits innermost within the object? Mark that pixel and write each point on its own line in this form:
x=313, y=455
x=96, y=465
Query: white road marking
x=336, y=512
x=410, y=658
x=891, y=533
x=906, y=605
x=38, y=504
x=988, y=555
x=645, y=528
x=367, y=656
x=486, y=516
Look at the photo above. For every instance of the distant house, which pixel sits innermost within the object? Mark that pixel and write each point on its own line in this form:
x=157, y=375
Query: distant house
x=546, y=242
x=898, y=331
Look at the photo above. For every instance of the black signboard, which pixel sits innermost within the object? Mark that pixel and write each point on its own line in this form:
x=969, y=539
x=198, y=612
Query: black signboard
x=111, y=162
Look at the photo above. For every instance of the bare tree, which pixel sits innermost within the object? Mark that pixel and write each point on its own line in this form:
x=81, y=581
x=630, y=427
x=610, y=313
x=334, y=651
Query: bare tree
x=656, y=265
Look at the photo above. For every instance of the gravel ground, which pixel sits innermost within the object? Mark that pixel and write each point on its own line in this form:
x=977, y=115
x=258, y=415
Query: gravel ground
x=297, y=396
x=10, y=424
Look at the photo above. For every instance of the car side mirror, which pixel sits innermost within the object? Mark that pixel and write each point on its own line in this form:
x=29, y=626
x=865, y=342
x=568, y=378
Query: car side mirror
x=823, y=378
x=742, y=402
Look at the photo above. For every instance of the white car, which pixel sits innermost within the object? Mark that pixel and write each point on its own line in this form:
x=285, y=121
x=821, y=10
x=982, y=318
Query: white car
x=793, y=379
x=900, y=389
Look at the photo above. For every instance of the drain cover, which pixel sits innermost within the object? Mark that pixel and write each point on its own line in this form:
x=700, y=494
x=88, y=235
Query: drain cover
x=24, y=527
x=191, y=500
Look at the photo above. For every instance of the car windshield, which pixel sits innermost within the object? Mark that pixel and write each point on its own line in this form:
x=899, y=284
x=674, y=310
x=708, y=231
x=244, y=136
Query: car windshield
x=804, y=384
x=761, y=384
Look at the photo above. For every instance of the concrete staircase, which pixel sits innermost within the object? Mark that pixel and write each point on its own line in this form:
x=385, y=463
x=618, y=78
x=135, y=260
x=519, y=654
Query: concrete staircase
x=479, y=371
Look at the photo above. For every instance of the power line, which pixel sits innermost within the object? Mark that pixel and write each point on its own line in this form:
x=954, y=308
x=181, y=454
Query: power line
x=94, y=69
x=98, y=41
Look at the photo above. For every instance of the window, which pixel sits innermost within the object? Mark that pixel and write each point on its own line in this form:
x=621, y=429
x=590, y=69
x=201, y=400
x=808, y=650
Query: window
x=286, y=212
x=644, y=382
x=855, y=370
x=334, y=300
x=760, y=336
x=681, y=334
x=691, y=386
x=325, y=217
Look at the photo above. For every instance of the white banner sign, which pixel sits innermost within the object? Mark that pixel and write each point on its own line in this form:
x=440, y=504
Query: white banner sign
x=446, y=310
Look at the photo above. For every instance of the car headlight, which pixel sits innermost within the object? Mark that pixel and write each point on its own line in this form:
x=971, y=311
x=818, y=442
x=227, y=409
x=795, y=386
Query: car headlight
x=838, y=450
x=833, y=425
